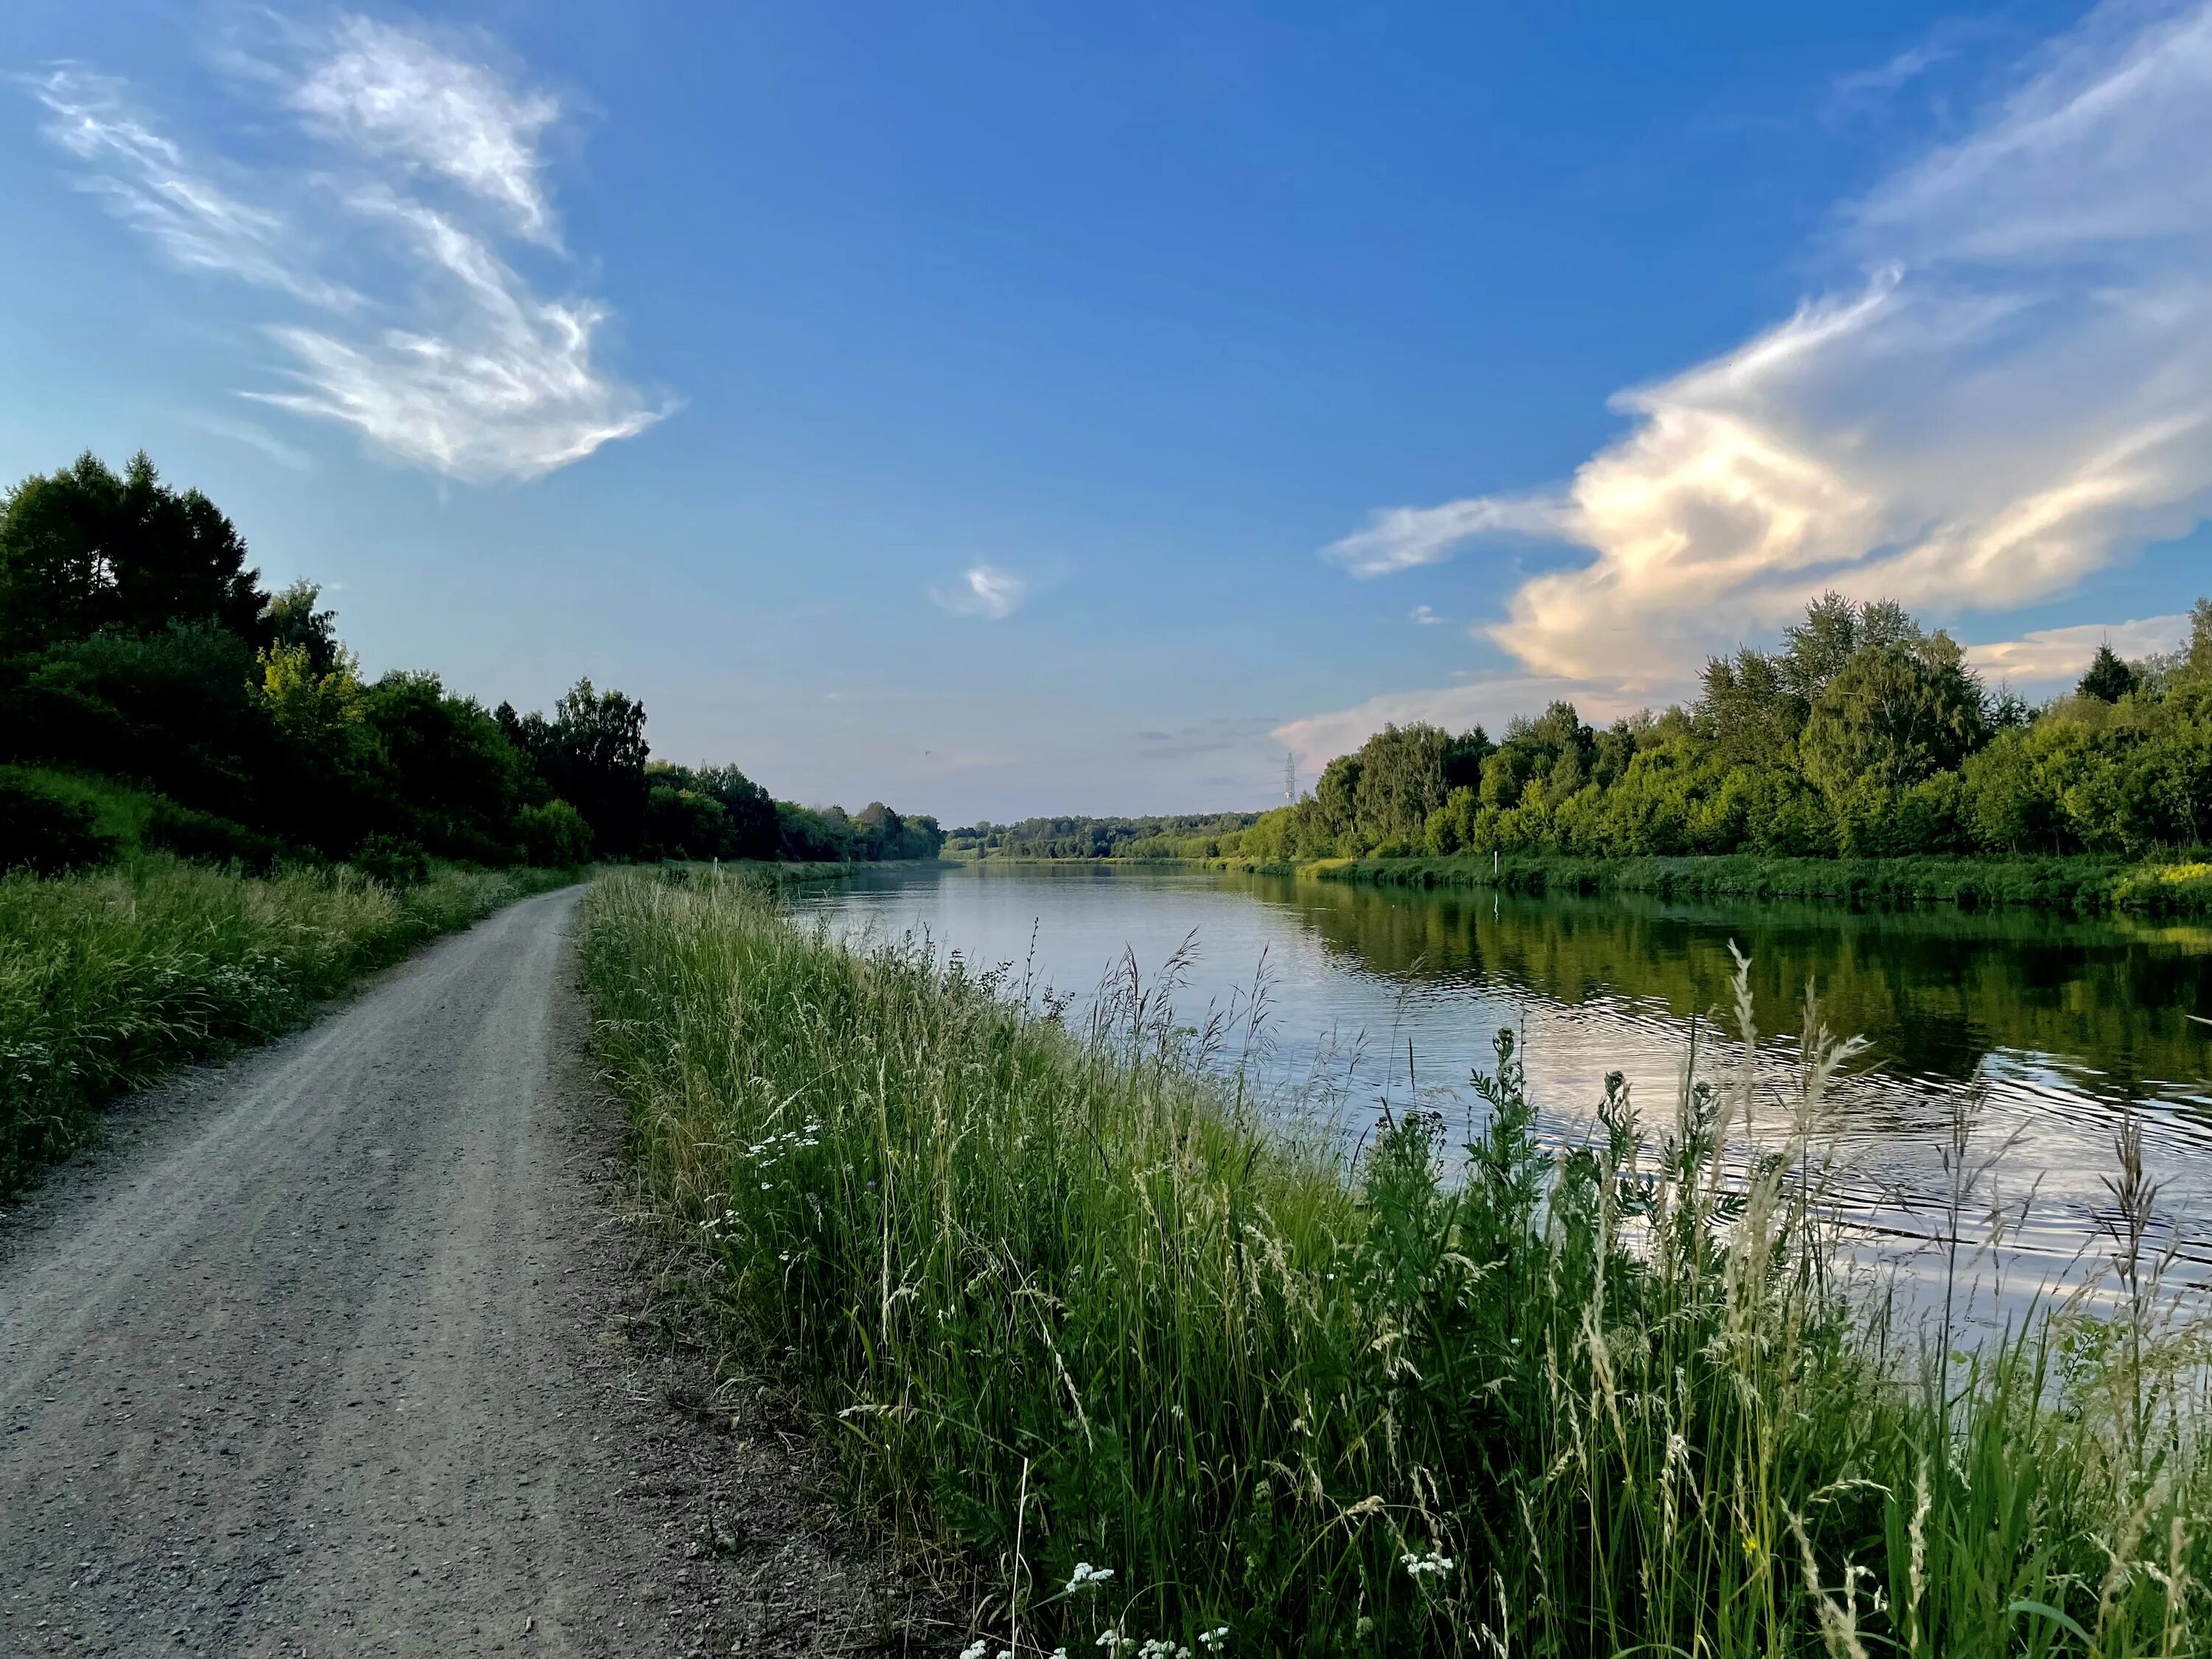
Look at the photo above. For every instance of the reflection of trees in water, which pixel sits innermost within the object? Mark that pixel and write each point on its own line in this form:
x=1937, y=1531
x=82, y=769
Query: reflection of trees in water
x=1936, y=991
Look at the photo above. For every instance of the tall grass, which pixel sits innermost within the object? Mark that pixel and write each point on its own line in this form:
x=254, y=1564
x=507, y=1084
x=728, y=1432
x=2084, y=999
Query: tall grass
x=1161, y=1377
x=107, y=979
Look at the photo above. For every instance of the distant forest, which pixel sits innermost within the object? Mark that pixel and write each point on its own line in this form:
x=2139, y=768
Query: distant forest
x=1865, y=735
x=1092, y=838
x=152, y=693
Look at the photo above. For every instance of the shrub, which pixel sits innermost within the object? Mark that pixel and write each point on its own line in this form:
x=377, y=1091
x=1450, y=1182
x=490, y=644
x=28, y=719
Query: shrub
x=45, y=834
x=170, y=827
x=392, y=859
x=554, y=836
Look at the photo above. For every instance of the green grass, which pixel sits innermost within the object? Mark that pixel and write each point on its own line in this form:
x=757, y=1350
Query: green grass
x=107, y=979
x=1059, y=1299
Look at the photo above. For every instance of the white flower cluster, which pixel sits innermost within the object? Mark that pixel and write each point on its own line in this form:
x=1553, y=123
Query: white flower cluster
x=1088, y=1576
x=1215, y=1639
x=1156, y=1647
x=768, y=1152
x=714, y=1225
x=976, y=1649
x=1420, y=1566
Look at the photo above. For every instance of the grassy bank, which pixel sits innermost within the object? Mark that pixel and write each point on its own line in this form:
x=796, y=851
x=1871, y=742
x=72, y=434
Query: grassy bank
x=1161, y=1376
x=2179, y=887
x=107, y=979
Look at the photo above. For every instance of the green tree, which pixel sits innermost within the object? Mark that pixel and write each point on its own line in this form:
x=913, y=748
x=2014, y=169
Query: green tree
x=2109, y=678
x=86, y=548
x=594, y=758
x=1898, y=711
x=291, y=619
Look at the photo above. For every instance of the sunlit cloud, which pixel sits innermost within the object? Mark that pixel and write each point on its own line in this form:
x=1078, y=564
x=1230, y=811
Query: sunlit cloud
x=2013, y=393
x=2063, y=654
x=984, y=590
x=1425, y=618
x=407, y=322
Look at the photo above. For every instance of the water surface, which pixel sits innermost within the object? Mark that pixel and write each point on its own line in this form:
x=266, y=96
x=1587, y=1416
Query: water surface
x=2046, y=1030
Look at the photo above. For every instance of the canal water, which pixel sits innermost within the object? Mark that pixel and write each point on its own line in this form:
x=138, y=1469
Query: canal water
x=2042, y=1034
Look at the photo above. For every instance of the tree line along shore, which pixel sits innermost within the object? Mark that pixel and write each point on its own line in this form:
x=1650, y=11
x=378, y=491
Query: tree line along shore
x=154, y=696
x=1864, y=759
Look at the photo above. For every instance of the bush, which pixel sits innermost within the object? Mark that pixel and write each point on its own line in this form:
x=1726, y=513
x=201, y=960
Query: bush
x=170, y=827
x=554, y=836
x=392, y=859
x=47, y=834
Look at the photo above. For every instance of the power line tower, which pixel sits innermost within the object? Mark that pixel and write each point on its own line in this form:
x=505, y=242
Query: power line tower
x=1289, y=777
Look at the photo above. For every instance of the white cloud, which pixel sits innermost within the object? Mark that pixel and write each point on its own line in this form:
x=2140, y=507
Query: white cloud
x=254, y=435
x=1489, y=702
x=409, y=323
x=384, y=91
x=2062, y=653
x=1400, y=537
x=1900, y=70
x=984, y=590
x=1426, y=618
x=2015, y=395
x=146, y=181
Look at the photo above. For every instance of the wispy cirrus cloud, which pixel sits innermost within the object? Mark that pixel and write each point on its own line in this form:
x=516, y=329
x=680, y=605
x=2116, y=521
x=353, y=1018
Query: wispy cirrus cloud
x=384, y=91
x=1400, y=537
x=984, y=590
x=2016, y=390
x=405, y=317
x=147, y=181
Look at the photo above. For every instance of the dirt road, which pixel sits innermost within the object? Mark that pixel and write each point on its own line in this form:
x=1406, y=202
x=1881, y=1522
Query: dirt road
x=318, y=1361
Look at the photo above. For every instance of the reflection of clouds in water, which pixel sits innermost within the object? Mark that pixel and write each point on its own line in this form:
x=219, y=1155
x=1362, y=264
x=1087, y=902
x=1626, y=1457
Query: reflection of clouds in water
x=2059, y=1023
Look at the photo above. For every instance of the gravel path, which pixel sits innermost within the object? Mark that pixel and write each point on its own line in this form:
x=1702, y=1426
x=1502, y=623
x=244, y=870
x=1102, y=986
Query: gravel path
x=323, y=1354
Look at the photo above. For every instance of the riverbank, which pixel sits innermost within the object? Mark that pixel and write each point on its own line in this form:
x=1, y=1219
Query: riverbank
x=789, y=872
x=110, y=978
x=2087, y=885
x=1072, y=1316
x=2084, y=886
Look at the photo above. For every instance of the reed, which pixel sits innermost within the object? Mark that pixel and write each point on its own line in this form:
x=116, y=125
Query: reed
x=107, y=980
x=1165, y=1381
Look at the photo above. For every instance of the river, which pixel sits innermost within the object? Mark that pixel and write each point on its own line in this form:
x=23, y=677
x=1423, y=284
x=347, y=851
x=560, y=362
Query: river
x=2042, y=1032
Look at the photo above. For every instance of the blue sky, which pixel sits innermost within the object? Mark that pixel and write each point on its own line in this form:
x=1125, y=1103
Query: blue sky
x=1000, y=409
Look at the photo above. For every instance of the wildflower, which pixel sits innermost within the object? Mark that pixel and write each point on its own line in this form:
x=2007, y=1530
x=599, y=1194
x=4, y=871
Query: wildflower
x=1087, y=1576
x=1433, y=1562
x=972, y=1650
x=1215, y=1639
x=765, y=1185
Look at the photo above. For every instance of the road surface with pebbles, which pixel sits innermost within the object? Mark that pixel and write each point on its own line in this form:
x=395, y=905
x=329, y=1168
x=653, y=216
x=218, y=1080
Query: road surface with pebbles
x=322, y=1352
